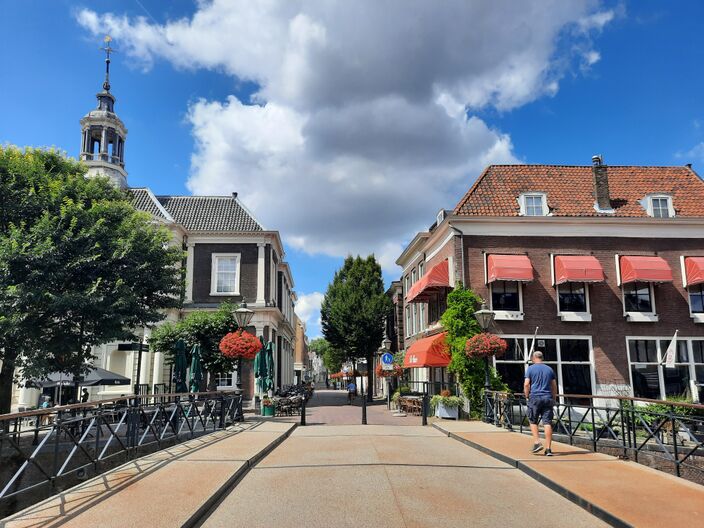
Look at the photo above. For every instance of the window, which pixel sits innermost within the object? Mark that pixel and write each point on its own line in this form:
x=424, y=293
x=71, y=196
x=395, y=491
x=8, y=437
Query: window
x=408, y=321
x=650, y=378
x=696, y=298
x=637, y=297
x=660, y=207
x=533, y=204
x=569, y=357
x=413, y=276
x=225, y=276
x=505, y=295
x=422, y=317
x=572, y=297
x=224, y=379
x=415, y=319
x=421, y=269
x=408, y=284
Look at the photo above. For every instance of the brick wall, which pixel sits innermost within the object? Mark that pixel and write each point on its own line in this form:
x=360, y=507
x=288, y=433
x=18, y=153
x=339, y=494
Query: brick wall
x=202, y=267
x=608, y=327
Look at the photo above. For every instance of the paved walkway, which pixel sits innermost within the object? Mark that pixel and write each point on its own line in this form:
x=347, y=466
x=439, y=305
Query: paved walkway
x=629, y=493
x=388, y=477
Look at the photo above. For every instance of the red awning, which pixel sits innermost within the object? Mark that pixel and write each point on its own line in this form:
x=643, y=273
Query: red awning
x=437, y=277
x=644, y=269
x=694, y=270
x=509, y=268
x=428, y=352
x=577, y=268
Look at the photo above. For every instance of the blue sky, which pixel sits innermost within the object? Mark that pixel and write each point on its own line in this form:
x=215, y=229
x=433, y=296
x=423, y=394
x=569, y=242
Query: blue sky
x=331, y=121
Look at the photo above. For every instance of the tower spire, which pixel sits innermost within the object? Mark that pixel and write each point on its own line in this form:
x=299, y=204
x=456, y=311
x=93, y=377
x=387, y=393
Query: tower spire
x=108, y=50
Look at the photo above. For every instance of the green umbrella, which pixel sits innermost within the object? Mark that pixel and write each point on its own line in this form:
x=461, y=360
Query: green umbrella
x=196, y=370
x=269, y=359
x=260, y=368
x=180, y=366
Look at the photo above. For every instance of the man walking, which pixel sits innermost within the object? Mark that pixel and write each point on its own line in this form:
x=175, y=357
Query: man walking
x=540, y=389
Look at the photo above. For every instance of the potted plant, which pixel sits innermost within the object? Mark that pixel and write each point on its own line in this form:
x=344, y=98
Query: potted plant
x=267, y=407
x=445, y=405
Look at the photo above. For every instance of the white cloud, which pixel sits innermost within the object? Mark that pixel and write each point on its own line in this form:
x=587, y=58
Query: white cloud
x=308, y=309
x=696, y=153
x=362, y=126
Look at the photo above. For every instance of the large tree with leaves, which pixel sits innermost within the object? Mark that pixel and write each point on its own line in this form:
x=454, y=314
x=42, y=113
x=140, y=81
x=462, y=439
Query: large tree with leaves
x=204, y=328
x=79, y=266
x=354, y=310
x=331, y=356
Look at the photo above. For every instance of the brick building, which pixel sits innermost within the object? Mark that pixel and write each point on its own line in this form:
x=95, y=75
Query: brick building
x=605, y=263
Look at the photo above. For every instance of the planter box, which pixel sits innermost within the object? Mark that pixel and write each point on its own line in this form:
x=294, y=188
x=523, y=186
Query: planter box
x=446, y=412
x=267, y=410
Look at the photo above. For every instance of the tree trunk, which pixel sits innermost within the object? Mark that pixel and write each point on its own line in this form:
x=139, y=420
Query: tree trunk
x=370, y=379
x=6, y=375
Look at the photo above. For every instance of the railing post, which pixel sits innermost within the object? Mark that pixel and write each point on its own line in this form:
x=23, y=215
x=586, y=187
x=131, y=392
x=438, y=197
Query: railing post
x=57, y=434
x=222, y=411
x=623, y=430
x=591, y=409
x=675, y=452
x=424, y=405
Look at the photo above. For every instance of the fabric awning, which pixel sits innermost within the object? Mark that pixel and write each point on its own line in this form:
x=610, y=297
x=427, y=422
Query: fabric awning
x=578, y=268
x=428, y=352
x=694, y=270
x=509, y=268
x=437, y=277
x=644, y=269
x=95, y=376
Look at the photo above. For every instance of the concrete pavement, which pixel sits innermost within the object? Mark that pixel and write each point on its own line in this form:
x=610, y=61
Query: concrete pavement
x=388, y=476
x=627, y=493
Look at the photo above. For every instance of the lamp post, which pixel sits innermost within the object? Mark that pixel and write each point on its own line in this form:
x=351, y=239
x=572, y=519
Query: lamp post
x=243, y=316
x=485, y=318
x=386, y=347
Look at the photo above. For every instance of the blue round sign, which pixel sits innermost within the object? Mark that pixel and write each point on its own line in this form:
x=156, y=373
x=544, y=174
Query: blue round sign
x=387, y=358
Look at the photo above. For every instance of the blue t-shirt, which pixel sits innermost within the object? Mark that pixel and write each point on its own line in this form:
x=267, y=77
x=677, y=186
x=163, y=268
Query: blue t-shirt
x=540, y=376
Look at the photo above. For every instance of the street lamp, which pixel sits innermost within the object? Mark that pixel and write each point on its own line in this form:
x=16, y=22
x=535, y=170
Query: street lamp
x=485, y=318
x=243, y=316
x=386, y=347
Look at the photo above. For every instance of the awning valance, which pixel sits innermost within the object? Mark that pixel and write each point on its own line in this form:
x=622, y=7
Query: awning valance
x=694, y=270
x=509, y=268
x=644, y=269
x=577, y=268
x=428, y=352
x=437, y=277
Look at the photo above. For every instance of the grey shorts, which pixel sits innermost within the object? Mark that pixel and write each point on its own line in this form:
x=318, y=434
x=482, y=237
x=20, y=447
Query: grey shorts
x=540, y=410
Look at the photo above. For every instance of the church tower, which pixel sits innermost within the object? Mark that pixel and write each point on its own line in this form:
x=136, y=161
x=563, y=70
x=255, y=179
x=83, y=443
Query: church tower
x=103, y=134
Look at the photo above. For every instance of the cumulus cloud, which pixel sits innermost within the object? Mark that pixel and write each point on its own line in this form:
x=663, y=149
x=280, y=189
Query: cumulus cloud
x=696, y=153
x=364, y=122
x=308, y=309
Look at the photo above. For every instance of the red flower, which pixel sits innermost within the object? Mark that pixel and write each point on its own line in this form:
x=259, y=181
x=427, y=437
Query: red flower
x=381, y=373
x=240, y=344
x=485, y=345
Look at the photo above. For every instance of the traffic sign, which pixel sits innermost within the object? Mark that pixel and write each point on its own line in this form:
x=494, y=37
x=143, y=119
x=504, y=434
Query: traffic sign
x=387, y=358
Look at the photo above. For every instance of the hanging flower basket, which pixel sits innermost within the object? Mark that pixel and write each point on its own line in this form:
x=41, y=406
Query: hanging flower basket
x=485, y=345
x=240, y=344
x=381, y=373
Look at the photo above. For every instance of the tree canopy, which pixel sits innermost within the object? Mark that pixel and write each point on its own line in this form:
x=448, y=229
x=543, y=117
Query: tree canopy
x=79, y=266
x=354, y=309
x=332, y=357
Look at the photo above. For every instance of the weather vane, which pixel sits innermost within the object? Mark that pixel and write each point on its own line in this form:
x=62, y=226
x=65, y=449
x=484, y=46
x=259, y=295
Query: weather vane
x=108, y=50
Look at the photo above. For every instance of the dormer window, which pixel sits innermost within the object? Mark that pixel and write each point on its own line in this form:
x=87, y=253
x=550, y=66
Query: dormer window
x=533, y=204
x=660, y=206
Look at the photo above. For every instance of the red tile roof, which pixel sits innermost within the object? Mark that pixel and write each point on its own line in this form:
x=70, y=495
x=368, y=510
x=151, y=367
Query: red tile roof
x=570, y=190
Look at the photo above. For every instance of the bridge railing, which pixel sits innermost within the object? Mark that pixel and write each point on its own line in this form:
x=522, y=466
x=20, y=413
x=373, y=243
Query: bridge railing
x=665, y=434
x=45, y=451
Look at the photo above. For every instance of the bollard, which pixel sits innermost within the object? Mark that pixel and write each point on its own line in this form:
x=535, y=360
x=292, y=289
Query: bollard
x=425, y=409
x=303, y=412
x=364, y=410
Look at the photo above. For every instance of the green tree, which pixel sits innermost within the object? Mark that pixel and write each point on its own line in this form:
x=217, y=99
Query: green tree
x=332, y=357
x=205, y=328
x=79, y=266
x=354, y=309
x=460, y=324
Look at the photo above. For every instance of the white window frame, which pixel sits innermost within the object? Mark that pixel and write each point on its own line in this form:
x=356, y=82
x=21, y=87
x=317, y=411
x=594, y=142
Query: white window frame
x=233, y=375
x=507, y=315
x=414, y=276
x=526, y=341
x=408, y=320
x=661, y=357
x=649, y=204
x=415, y=318
x=421, y=311
x=214, y=274
x=523, y=206
x=576, y=317
x=640, y=317
x=421, y=269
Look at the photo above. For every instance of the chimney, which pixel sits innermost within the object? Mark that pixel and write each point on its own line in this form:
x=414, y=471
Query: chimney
x=601, y=185
x=234, y=195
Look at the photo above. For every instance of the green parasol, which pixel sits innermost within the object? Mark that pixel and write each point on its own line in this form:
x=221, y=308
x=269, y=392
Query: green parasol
x=180, y=366
x=260, y=368
x=196, y=370
x=269, y=359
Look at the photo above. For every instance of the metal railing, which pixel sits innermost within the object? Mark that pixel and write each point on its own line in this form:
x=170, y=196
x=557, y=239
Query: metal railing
x=433, y=387
x=666, y=435
x=49, y=450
